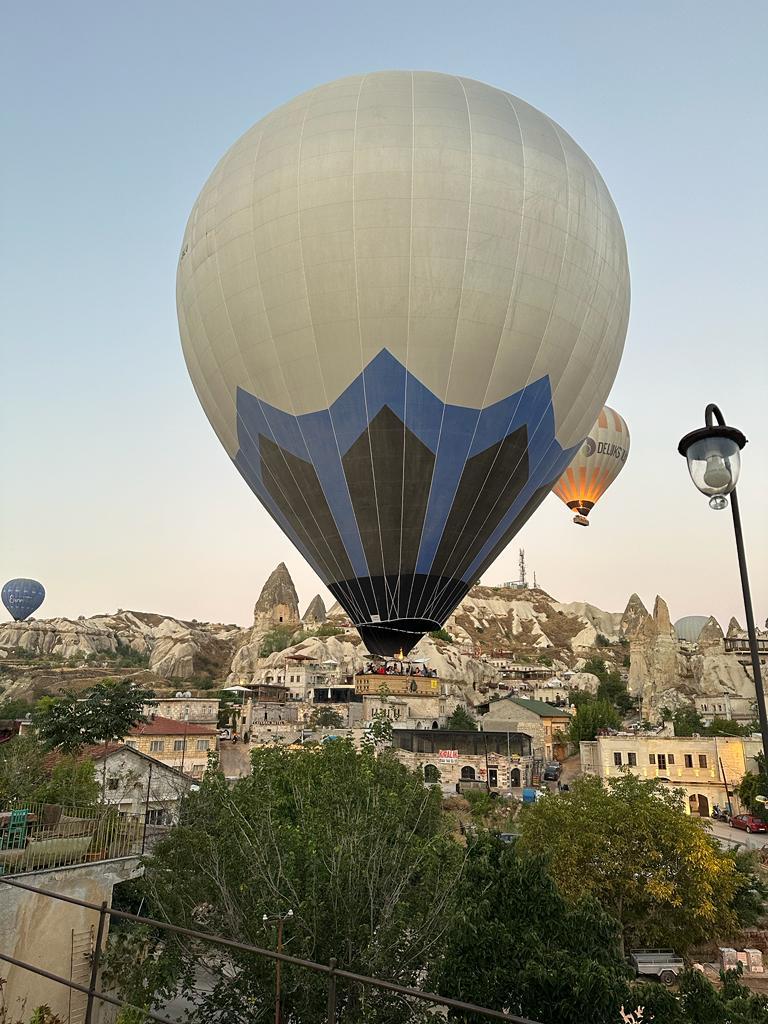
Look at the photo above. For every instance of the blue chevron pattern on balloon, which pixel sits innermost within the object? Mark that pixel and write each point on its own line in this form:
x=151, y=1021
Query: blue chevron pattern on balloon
x=453, y=434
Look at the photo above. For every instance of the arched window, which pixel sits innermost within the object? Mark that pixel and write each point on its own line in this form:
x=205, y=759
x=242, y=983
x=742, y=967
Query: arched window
x=431, y=773
x=467, y=773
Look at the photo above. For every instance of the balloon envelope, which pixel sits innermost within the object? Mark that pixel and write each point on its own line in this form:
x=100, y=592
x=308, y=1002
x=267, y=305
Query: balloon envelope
x=690, y=626
x=597, y=464
x=402, y=300
x=22, y=597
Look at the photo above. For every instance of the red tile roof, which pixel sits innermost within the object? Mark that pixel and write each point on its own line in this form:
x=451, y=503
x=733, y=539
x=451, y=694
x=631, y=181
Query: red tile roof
x=159, y=726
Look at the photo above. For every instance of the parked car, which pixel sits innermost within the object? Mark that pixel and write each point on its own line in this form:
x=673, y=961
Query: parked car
x=749, y=823
x=552, y=772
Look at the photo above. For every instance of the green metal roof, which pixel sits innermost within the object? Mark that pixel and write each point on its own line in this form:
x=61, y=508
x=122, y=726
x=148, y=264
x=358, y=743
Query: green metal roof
x=538, y=707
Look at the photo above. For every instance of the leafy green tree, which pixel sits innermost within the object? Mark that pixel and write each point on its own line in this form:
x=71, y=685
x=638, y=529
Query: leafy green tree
x=590, y=718
x=516, y=943
x=71, y=781
x=754, y=785
x=280, y=637
x=106, y=711
x=727, y=727
x=579, y=697
x=461, y=720
x=22, y=769
x=441, y=634
x=629, y=845
x=688, y=721
x=352, y=842
x=613, y=689
x=14, y=709
x=596, y=666
x=697, y=1001
x=326, y=718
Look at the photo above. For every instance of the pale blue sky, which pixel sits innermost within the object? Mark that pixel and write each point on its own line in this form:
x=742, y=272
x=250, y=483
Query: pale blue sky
x=116, y=492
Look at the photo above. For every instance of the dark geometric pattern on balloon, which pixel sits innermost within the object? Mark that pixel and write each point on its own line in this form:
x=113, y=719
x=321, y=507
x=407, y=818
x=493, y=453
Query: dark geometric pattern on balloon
x=296, y=490
x=489, y=484
x=330, y=477
x=388, y=472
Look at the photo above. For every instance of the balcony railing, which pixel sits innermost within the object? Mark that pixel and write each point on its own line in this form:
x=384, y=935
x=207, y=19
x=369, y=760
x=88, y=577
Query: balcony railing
x=35, y=836
x=339, y=981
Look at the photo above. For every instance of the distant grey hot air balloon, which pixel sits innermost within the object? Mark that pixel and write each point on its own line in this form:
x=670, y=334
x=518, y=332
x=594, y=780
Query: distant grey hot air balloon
x=402, y=299
x=22, y=597
x=690, y=626
x=597, y=464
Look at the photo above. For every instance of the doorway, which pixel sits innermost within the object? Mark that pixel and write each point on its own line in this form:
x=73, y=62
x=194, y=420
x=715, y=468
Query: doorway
x=467, y=773
x=515, y=777
x=493, y=777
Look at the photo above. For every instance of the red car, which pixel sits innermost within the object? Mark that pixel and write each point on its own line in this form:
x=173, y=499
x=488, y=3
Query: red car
x=749, y=823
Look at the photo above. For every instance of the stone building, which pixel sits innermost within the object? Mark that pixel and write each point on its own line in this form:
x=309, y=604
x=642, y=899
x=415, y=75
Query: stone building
x=704, y=767
x=139, y=785
x=541, y=721
x=503, y=760
x=180, y=745
x=185, y=707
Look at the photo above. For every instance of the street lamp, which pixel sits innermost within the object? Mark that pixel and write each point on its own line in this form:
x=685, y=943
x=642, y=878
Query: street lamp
x=713, y=453
x=280, y=919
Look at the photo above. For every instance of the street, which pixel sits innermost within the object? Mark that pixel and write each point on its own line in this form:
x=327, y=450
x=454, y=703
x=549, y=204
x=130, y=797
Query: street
x=729, y=837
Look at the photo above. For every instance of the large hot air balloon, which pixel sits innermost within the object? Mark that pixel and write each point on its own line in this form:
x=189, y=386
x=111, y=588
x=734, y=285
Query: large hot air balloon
x=402, y=301
x=599, y=461
x=22, y=597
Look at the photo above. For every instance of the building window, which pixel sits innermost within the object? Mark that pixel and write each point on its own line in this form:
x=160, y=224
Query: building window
x=617, y=758
x=688, y=760
x=157, y=816
x=431, y=773
x=702, y=760
x=156, y=746
x=131, y=744
x=203, y=744
x=468, y=772
x=651, y=759
x=178, y=744
x=112, y=782
x=671, y=758
x=661, y=761
x=632, y=760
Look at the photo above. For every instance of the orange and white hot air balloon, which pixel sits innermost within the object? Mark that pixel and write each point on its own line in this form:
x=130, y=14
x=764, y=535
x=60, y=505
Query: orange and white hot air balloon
x=597, y=464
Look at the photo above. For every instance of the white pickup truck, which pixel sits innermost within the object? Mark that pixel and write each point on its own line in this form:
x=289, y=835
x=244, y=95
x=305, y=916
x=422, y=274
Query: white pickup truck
x=663, y=964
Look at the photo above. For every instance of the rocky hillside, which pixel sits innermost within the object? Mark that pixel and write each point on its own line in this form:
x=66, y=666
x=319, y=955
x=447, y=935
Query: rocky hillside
x=525, y=624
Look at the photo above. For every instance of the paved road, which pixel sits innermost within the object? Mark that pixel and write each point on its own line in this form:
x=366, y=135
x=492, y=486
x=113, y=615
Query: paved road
x=728, y=836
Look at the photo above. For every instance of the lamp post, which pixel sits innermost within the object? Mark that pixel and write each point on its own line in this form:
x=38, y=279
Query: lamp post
x=280, y=919
x=713, y=453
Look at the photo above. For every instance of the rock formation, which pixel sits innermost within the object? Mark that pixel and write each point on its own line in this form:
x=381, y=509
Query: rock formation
x=656, y=664
x=315, y=615
x=634, y=616
x=278, y=603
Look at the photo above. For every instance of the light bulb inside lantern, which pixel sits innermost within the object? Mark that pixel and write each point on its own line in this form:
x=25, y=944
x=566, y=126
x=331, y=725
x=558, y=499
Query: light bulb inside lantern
x=717, y=473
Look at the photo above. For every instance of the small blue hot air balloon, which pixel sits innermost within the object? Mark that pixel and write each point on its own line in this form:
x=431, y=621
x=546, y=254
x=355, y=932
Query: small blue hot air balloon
x=23, y=597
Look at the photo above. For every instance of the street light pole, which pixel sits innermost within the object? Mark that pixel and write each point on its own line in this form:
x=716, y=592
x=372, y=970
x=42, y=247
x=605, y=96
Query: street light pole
x=280, y=919
x=751, y=631
x=713, y=453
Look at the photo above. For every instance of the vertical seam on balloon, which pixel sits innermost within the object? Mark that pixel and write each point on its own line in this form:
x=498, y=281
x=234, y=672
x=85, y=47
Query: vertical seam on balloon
x=550, y=404
x=317, y=354
x=512, y=292
x=238, y=417
x=362, y=366
x=406, y=610
x=453, y=347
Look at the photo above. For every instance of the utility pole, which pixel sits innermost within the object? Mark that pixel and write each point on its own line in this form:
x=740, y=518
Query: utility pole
x=184, y=740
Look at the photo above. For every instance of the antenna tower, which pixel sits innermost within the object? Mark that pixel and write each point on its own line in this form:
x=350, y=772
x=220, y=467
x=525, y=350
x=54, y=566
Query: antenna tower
x=521, y=563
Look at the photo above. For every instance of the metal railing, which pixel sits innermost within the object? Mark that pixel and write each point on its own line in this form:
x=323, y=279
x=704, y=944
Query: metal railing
x=36, y=836
x=332, y=971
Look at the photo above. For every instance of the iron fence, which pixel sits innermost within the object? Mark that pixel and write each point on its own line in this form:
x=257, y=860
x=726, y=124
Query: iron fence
x=332, y=971
x=34, y=836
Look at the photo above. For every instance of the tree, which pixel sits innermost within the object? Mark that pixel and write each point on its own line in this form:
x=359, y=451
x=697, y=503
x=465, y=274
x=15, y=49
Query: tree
x=727, y=727
x=280, y=637
x=516, y=943
x=629, y=845
x=22, y=769
x=71, y=781
x=441, y=634
x=697, y=1001
x=352, y=842
x=613, y=689
x=751, y=786
x=590, y=718
x=687, y=721
x=106, y=711
x=326, y=718
x=461, y=720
